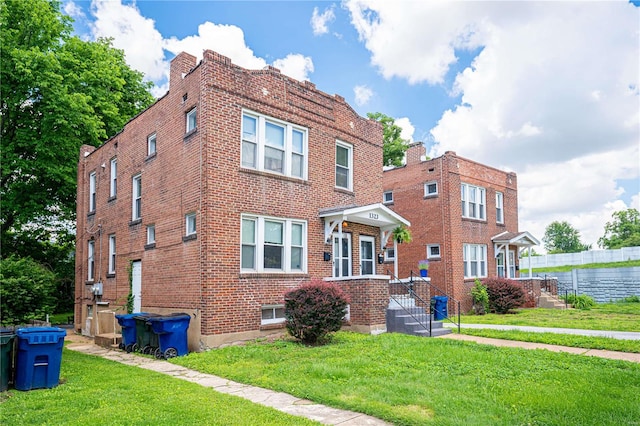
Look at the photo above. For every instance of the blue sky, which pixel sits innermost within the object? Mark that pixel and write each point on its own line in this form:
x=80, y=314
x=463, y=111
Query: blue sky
x=549, y=90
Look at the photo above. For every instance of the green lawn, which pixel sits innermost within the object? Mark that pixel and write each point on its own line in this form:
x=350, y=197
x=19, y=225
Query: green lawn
x=95, y=391
x=569, y=268
x=418, y=381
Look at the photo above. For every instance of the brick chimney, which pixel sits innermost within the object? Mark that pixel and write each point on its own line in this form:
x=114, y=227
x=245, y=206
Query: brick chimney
x=415, y=152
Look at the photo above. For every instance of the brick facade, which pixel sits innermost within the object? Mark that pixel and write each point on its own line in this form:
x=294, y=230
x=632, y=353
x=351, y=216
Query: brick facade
x=200, y=172
x=437, y=219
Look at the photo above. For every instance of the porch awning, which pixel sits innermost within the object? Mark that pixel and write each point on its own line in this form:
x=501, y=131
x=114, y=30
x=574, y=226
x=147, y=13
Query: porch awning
x=377, y=215
x=519, y=239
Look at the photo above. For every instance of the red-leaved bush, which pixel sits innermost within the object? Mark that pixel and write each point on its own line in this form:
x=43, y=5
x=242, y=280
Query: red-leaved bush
x=504, y=294
x=314, y=310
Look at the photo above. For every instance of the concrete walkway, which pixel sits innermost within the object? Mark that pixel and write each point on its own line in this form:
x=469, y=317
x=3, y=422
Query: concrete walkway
x=623, y=335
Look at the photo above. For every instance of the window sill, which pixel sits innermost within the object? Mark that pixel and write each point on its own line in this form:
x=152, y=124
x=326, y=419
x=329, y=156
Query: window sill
x=344, y=190
x=150, y=156
x=135, y=222
x=111, y=275
x=110, y=199
x=274, y=326
x=471, y=219
x=150, y=246
x=189, y=238
x=273, y=175
x=91, y=214
x=89, y=282
x=190, y=133
x=430, y=196
x=296, y=274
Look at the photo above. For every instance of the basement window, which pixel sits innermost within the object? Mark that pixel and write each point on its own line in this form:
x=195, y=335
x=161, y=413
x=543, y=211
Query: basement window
x=272, y=314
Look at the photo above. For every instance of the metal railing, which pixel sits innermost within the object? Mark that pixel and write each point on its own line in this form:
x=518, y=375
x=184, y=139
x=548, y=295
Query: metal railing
x=417, y=291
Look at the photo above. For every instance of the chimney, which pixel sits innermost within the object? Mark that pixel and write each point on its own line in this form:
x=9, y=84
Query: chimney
x=415, y=153
x=181, y=65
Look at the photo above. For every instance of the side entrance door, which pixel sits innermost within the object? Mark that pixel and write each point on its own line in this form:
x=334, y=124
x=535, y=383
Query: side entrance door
x=367, y=265
x=136, y=285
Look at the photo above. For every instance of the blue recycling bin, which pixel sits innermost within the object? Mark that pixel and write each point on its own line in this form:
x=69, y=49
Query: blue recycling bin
x=172, y=334
x=38, y=358
x=439, y=304
x=129, y=335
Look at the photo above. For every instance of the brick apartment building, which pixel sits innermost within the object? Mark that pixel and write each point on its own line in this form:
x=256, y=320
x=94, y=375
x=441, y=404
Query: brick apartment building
x=464, y=218
x=235, y=187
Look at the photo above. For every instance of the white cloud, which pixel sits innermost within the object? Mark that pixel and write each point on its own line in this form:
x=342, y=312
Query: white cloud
x=319, y=21
x=73, y=10
x=407, y=128
x=552, y=94
x=362, y=94
x=295, y=65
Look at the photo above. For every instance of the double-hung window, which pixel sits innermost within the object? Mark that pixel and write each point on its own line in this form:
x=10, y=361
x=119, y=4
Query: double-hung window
x=273, y=146
x=499, y=207
x=136, y=198
x=112, y=254
x=473, y=201
x=92, y=192
x=273, y=244
x=113, y=178
x=190, y=224
x=91, y=261
x=475, y=260
x=344, y=165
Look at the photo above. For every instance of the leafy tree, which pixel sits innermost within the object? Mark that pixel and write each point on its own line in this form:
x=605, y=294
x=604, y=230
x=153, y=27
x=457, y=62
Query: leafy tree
x=394, y=146
x=561, y=237
x=623, y=231
x=58, y=92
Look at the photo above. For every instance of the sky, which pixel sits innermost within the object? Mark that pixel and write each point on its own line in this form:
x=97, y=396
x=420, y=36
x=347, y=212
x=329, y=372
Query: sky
x=549, y=90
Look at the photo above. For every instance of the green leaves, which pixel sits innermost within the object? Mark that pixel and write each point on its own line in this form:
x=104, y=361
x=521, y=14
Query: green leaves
x=623, y=231
x=394, y=146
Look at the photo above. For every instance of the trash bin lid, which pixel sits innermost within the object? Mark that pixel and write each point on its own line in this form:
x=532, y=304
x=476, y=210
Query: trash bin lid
x=36, y=335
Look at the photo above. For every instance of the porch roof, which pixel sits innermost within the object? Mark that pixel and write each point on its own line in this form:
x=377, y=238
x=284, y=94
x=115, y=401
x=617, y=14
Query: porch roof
x=520, y=239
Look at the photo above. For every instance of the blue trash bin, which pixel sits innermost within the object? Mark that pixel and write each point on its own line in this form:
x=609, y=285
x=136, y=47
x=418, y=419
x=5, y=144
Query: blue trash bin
x=39, y=355
x=129, y=335
x=172, y=334
x=439, y=307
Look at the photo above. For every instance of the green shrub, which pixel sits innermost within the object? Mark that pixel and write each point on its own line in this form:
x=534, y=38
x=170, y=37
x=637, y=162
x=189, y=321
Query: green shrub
x=314, y=310
x=480, y=298
x=504, y=294
x=581, y=301
x=631, y=299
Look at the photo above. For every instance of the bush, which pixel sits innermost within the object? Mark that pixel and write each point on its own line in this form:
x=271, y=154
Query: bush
x=631, y=299
x=27, y=291
x=314, y=310
x=504, y=294
x=480, y=298
x=581, y=301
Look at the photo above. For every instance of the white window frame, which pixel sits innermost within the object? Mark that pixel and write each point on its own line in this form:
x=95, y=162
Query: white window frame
x=348, y=167
x=112, y=254
x=275, y=319
x=136, y=197
x=91, y=261
x=501, y=267
x=257, y=241
x=427, y=193
x=473, y=198
x=475, y=254
x=192, y=120
x=430, y=255
x=92, y=192
x=113, y=178
x=387, y=197
x=373, y=260
x=151, y=234
x=499, y=207
x=151, y=144
x=190, y=227
x=260, y=144
x=388, y=257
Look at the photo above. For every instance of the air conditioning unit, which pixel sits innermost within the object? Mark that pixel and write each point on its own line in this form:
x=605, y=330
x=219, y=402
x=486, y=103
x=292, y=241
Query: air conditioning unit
x=96, y=289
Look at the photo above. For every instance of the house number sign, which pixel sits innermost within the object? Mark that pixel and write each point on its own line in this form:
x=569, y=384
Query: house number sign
x=373, y=215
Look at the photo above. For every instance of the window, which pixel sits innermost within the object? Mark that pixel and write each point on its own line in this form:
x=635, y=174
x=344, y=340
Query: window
x=499, y=207
x=473, y=201
x=273, y=146
x=92, y=192
x=387, y=197
x=91, y=250
x=433, y=251
x=475, y=260
x=273, y=244
x=389, y=254
x=344, y=161
x=272, y=314
x=191, y=121
x=151, y=144
x=190, y=224
x=136, y=198
x=430, y=189
x=151, y=234
x=113, y=178
x=112, y=254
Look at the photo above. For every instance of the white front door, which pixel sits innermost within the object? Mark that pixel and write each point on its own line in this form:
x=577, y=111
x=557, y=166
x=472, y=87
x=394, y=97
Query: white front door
x=342, y=255
x=136, y=285
x=367, y=264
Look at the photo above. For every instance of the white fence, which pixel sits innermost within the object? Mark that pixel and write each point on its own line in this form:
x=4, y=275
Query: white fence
x=591, y=256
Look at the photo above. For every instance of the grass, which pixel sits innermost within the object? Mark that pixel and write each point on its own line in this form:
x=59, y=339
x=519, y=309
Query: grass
x=608, y=316
x=586, y=342
x=569, y=268
x=410, y=380
x=95, y=391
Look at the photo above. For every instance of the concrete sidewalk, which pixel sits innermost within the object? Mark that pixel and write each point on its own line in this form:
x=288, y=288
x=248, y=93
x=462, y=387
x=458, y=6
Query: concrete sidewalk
x=623, y=335
x=278, y=400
